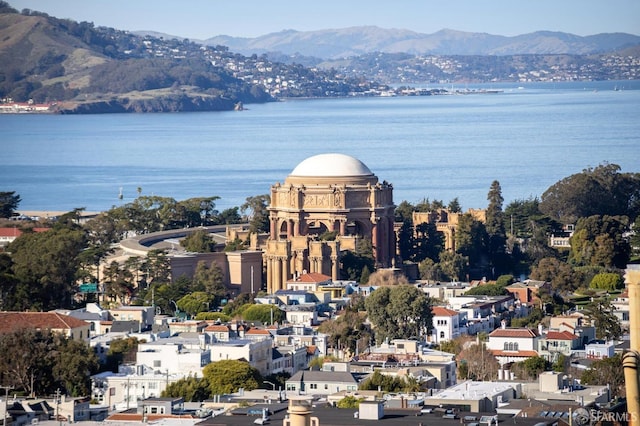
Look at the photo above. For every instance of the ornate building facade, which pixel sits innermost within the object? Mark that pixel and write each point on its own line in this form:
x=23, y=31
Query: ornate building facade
x=327, y=194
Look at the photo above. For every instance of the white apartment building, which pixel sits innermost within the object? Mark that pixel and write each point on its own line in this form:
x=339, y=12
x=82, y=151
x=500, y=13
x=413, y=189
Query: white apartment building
x=446, y=324
x=256, y=351
x=174, y=355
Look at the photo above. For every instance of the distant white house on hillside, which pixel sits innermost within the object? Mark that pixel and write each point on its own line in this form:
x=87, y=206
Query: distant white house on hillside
x=513, y=344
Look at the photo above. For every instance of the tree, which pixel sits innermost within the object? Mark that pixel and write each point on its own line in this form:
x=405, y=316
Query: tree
x=595, y=191
x=601, y=313
x=428, y=242
x=353, y=263
x=634, y=239
x=37, y=362
x=453, y=266
x=199, y=211
x=210, y=279
x=606, y=372
x=384, y=382
x=8, y=203
x=198, y=241
x=454, y=206
x=348, y=331
x=118, y=282
x=401, y=311
x=227, y=376
x=608, y=281
x=495, y=223
x=194, y=303
x=48, y=283
x=479, y=363
x=229, y=216
x=258, y=214
x=490, y=289
x=559, y=274
x=530, y=368
x=266, y=314
x=471, y=241
x=430, y=270
x=600, y=241
x=349, y=401
x=121, y=350
x=75, y=363
x=190, y=388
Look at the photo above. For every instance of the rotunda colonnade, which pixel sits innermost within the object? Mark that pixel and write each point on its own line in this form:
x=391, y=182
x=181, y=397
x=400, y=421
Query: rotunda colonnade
x=327, y=194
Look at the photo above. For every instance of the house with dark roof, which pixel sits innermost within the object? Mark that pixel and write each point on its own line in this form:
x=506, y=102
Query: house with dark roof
x=321, y=382
x=56, y=322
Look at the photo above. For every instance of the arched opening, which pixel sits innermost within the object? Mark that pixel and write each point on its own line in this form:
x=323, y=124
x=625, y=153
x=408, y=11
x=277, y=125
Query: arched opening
x=356, y=228
x=316, y=228
x=282, y=231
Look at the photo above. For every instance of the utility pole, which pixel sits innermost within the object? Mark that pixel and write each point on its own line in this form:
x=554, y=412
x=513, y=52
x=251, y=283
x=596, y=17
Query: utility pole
x=6, y=399
x=58, y=406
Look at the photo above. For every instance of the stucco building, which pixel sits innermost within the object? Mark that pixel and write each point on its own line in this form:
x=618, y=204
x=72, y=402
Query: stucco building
x=327, y=193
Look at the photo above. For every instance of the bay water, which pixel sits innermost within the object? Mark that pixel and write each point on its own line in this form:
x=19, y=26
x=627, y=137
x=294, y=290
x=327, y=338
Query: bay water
x=527, y=137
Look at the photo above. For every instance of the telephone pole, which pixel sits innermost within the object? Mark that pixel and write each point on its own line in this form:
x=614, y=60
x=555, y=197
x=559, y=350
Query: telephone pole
x=6, y=399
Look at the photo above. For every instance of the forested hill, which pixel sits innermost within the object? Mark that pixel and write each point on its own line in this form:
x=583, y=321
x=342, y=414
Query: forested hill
x=83, y=68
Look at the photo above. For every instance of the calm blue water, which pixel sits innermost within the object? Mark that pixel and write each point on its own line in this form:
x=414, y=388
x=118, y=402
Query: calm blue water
x=437, y=147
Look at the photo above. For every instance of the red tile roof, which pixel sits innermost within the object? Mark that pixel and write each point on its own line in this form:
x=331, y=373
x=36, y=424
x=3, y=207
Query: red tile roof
x=258, y=331
x=439, y=311
x=217, y=328
x=10, y=232
x=514, y=333
x=15, y=232
x=312, y=277
x=561, y=335
x=10, y=321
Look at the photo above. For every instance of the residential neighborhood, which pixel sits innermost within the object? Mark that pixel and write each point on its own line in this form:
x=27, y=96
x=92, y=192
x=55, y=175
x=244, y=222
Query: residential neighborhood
x=308, y=311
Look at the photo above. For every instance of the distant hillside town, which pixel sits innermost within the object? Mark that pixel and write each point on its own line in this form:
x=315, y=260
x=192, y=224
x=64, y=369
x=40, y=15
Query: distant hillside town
x=86, y=69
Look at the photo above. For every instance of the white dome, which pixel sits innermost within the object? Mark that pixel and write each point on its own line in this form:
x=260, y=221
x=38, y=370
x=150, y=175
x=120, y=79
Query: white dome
x=330, y=165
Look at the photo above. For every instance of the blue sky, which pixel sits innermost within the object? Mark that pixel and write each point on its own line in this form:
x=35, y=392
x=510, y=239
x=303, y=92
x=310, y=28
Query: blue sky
x=200, y=19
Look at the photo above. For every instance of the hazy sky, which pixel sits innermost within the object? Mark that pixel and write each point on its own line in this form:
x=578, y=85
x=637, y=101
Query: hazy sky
x=201, y=19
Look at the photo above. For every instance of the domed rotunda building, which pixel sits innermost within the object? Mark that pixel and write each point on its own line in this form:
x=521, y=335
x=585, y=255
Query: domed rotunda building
x=327, y=193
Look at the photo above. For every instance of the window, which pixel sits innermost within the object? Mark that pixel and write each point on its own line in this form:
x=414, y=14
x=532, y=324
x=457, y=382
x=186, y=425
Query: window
x=157, y=363
x=313, y=386
x=442, y=334
x=510, y=346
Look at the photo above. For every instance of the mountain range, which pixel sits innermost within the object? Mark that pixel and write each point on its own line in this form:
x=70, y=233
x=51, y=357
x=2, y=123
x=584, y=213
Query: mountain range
x=346, y=42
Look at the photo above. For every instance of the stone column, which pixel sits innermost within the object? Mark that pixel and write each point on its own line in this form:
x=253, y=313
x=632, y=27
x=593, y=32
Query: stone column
x=335, y=270
x=631, y=359
x=277, y=275
x=374, y=239
x=285, y=271
x=269, y=275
